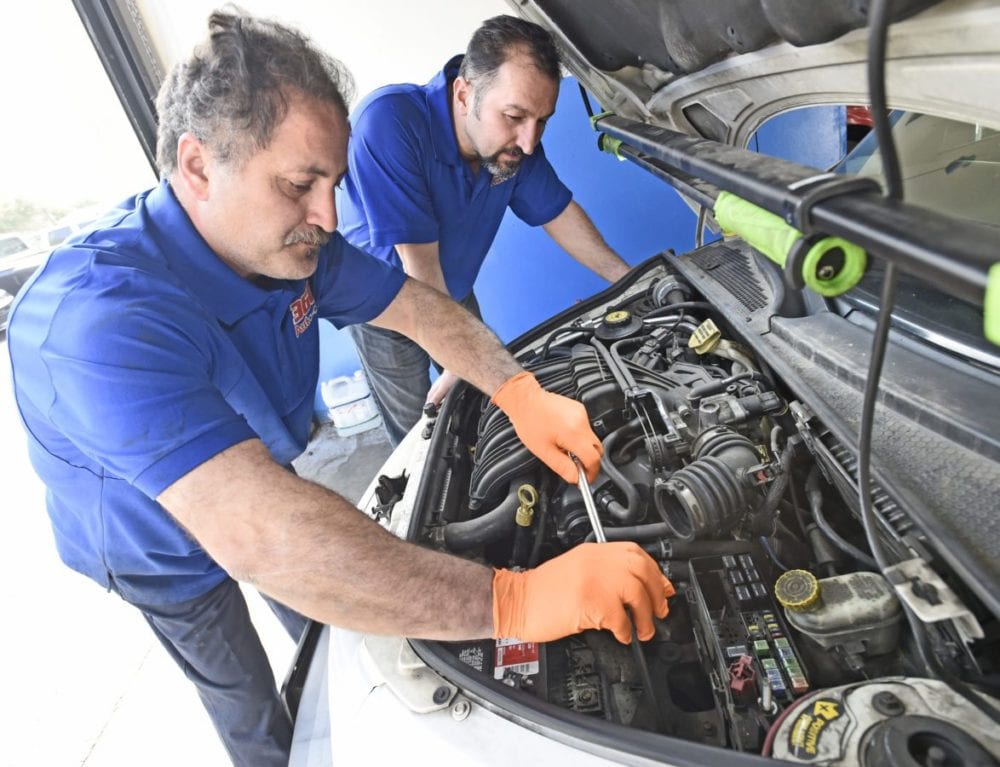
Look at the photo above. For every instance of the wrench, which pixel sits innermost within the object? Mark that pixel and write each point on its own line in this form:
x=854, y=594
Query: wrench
x=600, y=537
x=588, y=501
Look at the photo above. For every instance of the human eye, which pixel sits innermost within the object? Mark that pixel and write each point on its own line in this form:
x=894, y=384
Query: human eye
x=294, y=188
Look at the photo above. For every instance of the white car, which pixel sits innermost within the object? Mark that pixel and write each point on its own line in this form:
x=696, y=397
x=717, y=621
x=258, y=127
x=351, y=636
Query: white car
x=730, y=396
x=19, y=257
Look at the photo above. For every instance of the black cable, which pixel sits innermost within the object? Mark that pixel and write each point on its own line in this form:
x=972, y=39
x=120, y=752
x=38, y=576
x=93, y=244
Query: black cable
x=878, y=24
x=562, y=331
x=815, y=499
x=586, y=100
x=772, y=555
x=671, y=308
x=699, y=227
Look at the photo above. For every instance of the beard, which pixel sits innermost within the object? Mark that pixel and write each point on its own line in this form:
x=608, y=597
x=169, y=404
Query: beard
x=503, y=170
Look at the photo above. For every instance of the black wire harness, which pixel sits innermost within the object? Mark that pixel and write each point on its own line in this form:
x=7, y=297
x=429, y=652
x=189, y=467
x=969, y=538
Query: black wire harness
x=879, y=12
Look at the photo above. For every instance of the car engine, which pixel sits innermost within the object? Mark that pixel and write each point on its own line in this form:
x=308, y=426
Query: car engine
x=783, y=637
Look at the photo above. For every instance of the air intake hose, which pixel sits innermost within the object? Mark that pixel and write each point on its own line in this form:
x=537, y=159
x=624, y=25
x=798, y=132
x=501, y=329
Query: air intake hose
x=708, y=496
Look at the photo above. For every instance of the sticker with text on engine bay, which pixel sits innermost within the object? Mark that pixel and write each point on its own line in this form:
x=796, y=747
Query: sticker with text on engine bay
x=515, y=656
x=806, y=736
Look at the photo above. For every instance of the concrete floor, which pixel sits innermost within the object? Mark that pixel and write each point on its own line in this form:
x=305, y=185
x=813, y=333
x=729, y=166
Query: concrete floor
x=85, y=682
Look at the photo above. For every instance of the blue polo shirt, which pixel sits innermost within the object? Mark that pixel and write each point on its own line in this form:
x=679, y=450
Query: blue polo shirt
x=137, y=355
x=407, y=183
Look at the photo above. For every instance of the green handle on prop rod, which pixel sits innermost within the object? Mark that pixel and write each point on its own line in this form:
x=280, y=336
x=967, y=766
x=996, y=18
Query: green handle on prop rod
x=991, y=306
x=830, y=266
x=610, y=145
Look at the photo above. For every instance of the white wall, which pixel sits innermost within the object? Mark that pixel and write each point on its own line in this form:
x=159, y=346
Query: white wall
x=380, y=41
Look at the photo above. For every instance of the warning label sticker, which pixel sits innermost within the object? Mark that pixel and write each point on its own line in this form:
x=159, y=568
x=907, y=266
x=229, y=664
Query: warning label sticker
x=472, y=656
x=807, y=731
x=515, y=656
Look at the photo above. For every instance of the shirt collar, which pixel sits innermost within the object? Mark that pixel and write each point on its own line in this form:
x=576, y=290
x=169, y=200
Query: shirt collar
x=438, y=92
x=224, y=292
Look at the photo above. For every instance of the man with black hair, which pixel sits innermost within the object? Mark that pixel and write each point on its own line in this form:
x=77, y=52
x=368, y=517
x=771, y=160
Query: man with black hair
x=434, y=167
x=164, y=367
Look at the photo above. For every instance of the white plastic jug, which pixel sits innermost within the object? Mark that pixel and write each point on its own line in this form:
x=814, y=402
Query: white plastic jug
x=349, y=404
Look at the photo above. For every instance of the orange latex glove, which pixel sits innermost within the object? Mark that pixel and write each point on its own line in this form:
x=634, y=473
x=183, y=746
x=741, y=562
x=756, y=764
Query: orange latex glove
x=588, y=587
x=550, y=425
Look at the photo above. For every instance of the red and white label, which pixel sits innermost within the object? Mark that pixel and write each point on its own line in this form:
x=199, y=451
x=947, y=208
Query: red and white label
x=516, y=656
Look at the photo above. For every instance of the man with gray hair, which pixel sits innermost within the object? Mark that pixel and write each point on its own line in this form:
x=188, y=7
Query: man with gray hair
x=164, y=366
x=433, y=169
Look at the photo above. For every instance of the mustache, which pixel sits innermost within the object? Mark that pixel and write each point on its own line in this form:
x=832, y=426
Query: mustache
x=312, y=236
x=514, y=151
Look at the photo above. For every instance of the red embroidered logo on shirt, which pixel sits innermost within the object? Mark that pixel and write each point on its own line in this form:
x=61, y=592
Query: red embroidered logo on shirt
x=303, y=311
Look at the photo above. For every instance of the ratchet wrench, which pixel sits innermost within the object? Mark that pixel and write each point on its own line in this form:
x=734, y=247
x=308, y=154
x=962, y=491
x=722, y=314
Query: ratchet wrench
x=588, y=501
x=600, y=537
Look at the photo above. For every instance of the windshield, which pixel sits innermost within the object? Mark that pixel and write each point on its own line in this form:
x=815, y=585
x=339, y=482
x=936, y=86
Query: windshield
x=950, y=167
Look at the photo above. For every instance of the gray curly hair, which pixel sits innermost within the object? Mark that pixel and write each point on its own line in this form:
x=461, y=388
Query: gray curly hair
x=233, y=92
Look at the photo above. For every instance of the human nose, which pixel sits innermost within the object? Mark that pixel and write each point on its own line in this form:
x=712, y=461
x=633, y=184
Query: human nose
x=528, y=136
x=322, y=210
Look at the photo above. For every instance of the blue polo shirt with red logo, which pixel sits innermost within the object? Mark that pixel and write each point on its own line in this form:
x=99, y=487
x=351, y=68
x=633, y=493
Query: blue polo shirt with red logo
x=407, y=183
x=137, y=355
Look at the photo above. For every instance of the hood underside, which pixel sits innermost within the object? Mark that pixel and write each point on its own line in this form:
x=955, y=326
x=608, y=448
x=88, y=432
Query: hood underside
x=720, y=68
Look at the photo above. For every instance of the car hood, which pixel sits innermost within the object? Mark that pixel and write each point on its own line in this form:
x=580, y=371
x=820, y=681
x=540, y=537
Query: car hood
x=719, y=68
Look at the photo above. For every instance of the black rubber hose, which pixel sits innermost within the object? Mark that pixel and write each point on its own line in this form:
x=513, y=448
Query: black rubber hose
x=631, y=508
x=491, y=526
x=815, y=497
x=637, y=533
x=586, y=332
x=700, y=392
x=670, y=308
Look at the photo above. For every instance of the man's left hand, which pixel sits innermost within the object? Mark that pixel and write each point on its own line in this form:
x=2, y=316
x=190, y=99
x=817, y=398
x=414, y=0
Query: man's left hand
x=550, y=426
x=441, y=386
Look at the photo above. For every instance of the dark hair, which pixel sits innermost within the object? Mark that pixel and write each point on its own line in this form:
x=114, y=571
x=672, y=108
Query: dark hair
x=233, y=92
x=497, y=40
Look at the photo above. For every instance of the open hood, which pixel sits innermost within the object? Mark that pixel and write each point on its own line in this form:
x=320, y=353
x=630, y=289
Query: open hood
x=719, y=68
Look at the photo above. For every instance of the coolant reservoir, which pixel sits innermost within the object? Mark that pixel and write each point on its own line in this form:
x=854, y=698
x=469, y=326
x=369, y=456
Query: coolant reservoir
x=858, y=611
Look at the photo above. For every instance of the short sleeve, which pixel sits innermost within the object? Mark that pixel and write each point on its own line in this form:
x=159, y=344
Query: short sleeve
x=386, y=175
x=132, y=379
x=539, y=196
x=353, y=287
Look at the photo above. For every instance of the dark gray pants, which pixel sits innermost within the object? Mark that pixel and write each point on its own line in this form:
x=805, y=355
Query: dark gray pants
x=398, y=373
x=217, y=647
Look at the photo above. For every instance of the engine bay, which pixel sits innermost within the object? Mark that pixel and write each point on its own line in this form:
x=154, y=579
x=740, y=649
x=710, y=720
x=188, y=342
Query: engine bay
x=783, y=639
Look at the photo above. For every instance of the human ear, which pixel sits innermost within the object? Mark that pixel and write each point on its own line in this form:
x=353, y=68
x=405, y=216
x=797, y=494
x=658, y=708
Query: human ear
x=463, y=95
x=193, y=162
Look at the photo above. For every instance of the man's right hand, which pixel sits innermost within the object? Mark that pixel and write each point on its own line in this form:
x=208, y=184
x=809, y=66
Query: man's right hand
x=588, y=587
